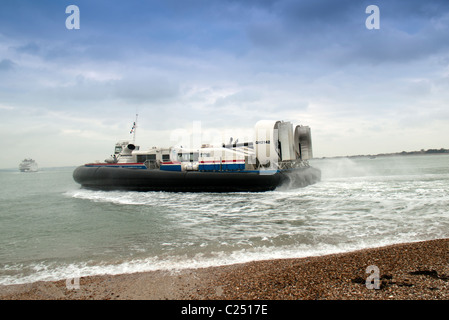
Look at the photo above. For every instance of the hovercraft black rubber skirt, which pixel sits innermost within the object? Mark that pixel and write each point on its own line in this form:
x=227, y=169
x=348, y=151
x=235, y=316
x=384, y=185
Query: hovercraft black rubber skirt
x=106, y=178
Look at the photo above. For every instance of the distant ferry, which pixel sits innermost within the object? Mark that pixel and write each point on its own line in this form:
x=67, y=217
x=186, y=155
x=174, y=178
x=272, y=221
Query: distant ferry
x=28, y=165
x=278, y=155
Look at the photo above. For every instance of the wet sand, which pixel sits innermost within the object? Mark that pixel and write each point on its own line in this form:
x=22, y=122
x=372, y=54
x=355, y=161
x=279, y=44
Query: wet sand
x=412, y=271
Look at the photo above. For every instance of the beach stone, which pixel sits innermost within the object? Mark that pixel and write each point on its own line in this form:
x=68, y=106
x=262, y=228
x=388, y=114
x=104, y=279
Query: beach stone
x=410, y=271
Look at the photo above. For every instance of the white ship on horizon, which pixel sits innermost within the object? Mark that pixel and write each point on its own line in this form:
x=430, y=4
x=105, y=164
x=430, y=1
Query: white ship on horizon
x=28, y=165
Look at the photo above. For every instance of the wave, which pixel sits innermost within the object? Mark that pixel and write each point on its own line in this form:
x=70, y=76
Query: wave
x=46, y=271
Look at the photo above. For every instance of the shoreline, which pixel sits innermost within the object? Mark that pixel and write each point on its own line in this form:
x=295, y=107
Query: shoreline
x=408, y=271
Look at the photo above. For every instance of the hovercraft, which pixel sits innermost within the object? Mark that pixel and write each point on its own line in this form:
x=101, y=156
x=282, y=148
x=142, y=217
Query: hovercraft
x=277, y=156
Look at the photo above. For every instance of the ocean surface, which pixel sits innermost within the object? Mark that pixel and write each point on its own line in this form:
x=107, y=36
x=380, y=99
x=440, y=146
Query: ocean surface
x=51, y=229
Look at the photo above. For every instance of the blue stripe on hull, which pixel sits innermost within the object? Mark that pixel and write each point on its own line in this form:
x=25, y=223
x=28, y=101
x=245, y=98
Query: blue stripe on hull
x=223, y=167
x=169, y=167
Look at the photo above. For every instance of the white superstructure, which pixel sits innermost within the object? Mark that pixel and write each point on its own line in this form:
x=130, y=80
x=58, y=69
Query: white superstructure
x=275, y=145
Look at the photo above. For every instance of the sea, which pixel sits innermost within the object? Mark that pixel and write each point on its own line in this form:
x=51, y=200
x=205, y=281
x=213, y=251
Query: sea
x=51, y=229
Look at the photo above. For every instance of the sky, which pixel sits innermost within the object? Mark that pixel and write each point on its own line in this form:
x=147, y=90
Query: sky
x=216, y=68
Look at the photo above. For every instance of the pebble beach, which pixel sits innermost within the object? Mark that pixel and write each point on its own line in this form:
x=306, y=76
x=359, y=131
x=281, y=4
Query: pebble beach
x=410, y=271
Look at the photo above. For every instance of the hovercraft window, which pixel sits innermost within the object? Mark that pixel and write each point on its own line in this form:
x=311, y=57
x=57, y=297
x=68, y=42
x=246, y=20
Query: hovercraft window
x=145, y=157
x=188, y=157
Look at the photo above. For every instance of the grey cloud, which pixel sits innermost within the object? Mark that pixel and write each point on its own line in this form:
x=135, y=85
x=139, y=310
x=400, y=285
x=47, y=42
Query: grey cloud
x=146, y=90
x=29, y=48
x=334, y=32
x=318, y=14
x=7, y=64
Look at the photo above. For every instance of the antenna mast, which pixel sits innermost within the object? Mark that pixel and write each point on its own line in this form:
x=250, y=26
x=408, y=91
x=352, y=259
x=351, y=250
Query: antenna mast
x=133, y=129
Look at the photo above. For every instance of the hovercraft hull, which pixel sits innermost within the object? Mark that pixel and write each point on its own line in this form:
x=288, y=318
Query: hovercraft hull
x=119, y=178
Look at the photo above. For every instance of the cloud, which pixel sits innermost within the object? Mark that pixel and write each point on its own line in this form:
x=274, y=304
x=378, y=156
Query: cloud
x=28, y=48
x=3, y=107
x=334, y=33
x=146, y=89
x=6, y=65
x=227, y=64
